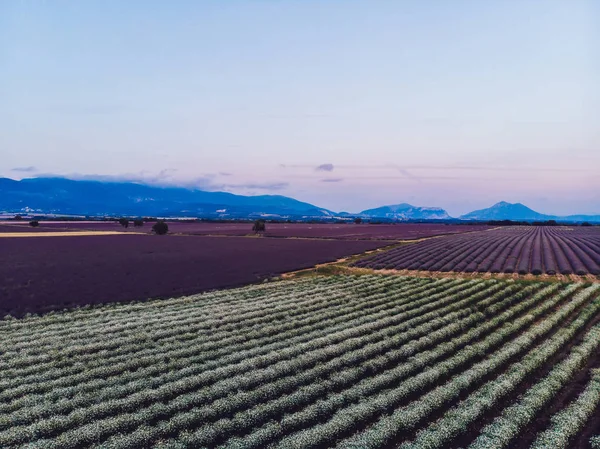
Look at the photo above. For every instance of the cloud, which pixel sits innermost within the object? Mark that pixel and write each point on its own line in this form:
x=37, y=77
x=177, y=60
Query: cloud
x=167, y=178
x=29, y=169
x=223, y=173
x=259, y=186
x=409, y=175
x=332, y=180
x=164, y=176
x=325, y=167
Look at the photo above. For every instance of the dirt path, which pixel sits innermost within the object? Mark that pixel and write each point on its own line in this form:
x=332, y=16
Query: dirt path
x=63, y=234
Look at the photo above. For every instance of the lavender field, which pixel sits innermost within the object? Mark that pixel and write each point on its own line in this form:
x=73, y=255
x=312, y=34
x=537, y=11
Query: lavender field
x=346, y=231
x=522, y=250
x=49, y=273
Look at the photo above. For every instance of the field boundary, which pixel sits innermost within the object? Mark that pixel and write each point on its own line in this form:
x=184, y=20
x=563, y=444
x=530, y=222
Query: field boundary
x=341, y=266
x=64, y=233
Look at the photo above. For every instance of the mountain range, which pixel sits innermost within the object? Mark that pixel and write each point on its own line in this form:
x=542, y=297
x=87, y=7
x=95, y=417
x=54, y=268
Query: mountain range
x=98, y=198
x=62, y=196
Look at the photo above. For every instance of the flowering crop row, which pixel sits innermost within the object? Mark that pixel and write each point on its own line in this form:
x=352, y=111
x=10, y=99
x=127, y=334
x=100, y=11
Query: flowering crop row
x=408, y=417
x=274, y=366
x=571, y=420
x=353, y=361
x=191, y=360
x=513, y=419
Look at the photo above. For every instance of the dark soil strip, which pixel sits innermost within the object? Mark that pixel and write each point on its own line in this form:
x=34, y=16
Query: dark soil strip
x=561, y=400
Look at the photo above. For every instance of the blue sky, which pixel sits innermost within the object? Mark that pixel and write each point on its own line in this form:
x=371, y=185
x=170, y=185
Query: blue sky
x=346, y=104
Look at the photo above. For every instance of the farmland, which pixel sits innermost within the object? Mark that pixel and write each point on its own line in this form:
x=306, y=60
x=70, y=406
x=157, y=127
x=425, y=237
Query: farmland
x=366, y=361
x=348, y=231
x=47, y=273
x=521, y=250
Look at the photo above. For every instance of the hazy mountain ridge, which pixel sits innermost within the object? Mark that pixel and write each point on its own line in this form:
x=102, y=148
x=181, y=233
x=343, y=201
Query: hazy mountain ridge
x=103, y=198
x=520, y=212
x=405, y=211
x=64, y=196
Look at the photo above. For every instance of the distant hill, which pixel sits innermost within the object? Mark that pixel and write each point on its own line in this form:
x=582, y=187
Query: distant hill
x=506, y=211
x=406, y=211
x=65, y=196
x=520, y=212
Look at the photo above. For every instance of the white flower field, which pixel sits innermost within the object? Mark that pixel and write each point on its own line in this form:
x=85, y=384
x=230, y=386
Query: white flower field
x=345, y=361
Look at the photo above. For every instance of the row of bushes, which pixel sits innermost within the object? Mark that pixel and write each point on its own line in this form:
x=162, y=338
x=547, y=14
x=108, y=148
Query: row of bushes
x=160, y=227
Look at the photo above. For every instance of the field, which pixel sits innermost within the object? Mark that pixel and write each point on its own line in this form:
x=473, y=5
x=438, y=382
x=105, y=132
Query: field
x=522, y=250
x=46, y=273
x=366, y=361
x=11, y=228
x=349, y=231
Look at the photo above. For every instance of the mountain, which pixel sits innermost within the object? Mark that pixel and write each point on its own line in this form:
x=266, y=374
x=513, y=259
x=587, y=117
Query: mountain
x=520, y=212
x=406, y=211
x=506, y=211
x=97, y=198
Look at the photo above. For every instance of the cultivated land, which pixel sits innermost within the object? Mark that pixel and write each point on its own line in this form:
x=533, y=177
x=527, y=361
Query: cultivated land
x=47, y=273
x=25, y=228
x=355, y=361
x=522, y=250
x=349, y=231
x=366, y=361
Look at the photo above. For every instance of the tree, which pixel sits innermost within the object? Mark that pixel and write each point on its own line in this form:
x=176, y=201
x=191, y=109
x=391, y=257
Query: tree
x=586, y=223
x=17, y=217
x=258, y=226
x=138, y=223
x=358, y=220
x=124, y=222
x=34, y=223
x=160, y=227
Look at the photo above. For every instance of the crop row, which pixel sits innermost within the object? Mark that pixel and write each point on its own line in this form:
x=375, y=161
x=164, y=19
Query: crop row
x=305, y=357
x=350, y=360
x=407, y=417
x=520, y=250
x=570, y=421
x=196, y=324
x=419, y=358
x=191, y=359
x=515, y=418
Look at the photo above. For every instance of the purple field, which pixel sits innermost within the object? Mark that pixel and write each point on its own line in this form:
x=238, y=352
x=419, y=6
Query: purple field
x=6, y=228
x=347, y=231
x=522, y=250
x=41, y=274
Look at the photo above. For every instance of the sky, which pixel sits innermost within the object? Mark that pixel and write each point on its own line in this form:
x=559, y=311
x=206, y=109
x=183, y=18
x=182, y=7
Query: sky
x=345, y=104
